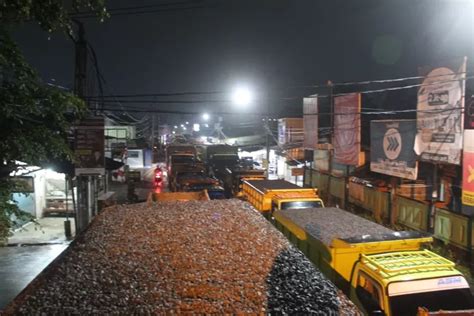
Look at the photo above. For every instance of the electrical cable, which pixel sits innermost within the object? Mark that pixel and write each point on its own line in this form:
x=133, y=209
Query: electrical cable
x=185, y=93
x=138, y=12
x=151, y=6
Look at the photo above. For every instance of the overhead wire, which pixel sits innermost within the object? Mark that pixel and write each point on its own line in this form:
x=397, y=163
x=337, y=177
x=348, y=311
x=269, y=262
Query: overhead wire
x=186, y=93
x=150, y=6
x=175, y=101
x=118, y=11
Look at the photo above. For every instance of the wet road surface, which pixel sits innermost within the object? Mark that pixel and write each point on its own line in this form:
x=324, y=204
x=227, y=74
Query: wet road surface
x=20, y=265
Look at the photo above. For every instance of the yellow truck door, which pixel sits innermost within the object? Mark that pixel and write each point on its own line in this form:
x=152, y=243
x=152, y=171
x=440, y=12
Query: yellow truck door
x=367, y=293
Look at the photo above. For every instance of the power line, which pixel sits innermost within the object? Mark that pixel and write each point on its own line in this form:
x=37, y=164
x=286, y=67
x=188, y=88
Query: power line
x=164, y=101
x=278, y=113
x=282, y=99
x=151, y=6
x=367, y=82
x=169, y=94
x=139, y=12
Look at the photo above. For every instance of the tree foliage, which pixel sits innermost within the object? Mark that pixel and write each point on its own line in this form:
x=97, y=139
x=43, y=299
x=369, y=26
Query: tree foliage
x=35, y=118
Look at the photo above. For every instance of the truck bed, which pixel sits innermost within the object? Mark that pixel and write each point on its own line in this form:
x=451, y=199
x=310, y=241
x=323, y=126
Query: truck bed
x=178, y=196
x=263, y=185
x=327, y=224
x=197, y=257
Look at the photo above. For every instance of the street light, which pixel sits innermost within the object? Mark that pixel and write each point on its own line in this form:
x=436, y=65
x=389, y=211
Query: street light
x=205, y=116
x=242, y=96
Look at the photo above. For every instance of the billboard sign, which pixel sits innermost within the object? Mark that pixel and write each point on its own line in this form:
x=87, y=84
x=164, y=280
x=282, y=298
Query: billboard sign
x=89, y=147
x=469, y=112
x=440, y=118
x=346, y=140
x=310, y=122
x=391, y=148
x=468, y=169
x=281, y=132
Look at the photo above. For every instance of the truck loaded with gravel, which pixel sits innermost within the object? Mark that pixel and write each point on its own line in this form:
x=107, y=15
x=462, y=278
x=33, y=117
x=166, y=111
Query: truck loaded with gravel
x=178, y=196
x=187, y=258
x=270, y=195
x=233, y=179
x=382, y=271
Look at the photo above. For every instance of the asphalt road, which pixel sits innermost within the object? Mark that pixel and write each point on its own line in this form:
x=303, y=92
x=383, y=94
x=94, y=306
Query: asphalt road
x=20, y=265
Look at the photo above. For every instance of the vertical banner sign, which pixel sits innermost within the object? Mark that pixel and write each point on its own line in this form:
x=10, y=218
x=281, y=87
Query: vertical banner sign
x=346, y=139
x=391, y=148
x=468, y=169
x=469, y=112
x=310, y=122
x=89, y=146
x=440, y=114
x=281, y=132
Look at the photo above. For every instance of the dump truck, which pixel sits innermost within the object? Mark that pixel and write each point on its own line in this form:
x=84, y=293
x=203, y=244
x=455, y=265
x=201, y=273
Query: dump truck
x=382, y=271
x=197, y=181
x=181, y=258
x=233, y=179
x=270, y=195
x=178, y=196
x=180, y=149
x=220, y=157
x=180, y=163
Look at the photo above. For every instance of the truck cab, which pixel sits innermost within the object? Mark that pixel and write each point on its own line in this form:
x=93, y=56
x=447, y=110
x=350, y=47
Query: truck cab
x=398, y=283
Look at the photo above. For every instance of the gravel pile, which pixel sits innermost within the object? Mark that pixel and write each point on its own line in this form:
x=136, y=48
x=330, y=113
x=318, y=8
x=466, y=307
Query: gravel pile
x=326, y=224
x=212, y=257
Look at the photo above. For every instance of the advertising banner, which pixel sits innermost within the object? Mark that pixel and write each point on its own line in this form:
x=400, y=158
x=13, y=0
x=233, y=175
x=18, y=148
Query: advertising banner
x=281, y=132
x=89, y=147
x=295, y=172
x=310, y=122
x=440, y=118
x=391, y=148
x=346, y=139
x=468, y=169
x=290, y=131
x=469, y=112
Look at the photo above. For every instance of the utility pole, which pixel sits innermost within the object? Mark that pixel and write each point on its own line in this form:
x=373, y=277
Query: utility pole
x=266, y=106
x=80, y=71
x=80, y=84
x=331, y=134
x=268, y=131
x=153, y=132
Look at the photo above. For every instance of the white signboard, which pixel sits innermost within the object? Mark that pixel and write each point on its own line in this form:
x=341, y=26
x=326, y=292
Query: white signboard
x=440, y=118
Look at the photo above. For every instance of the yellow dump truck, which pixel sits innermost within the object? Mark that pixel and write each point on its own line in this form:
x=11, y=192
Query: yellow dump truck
x=270, y=195
x=178, y=196
x=382, y=271
x=233, y=179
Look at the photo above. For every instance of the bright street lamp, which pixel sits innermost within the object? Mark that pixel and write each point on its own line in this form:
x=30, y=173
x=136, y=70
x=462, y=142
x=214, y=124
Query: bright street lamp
x=205, y=116
x=242, y=96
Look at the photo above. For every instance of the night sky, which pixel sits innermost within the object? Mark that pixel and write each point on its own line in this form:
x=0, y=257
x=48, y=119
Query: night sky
x=275, y=47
